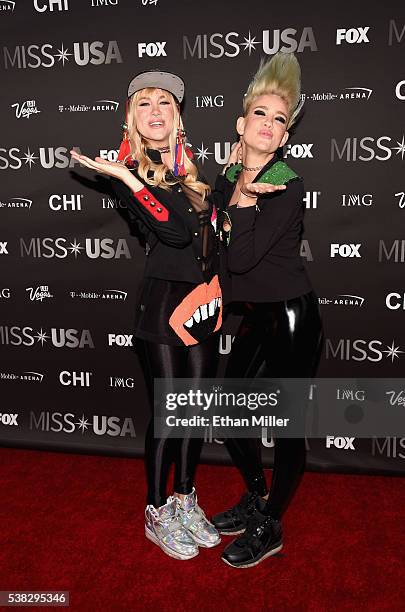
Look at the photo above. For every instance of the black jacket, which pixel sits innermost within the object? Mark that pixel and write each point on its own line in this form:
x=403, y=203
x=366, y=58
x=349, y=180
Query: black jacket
x=262, y=261
x=171, y=229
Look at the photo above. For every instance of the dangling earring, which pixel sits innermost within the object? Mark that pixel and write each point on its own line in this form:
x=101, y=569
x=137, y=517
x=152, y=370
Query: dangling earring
x=125, y=146
x=179, y=167
x=240, y=156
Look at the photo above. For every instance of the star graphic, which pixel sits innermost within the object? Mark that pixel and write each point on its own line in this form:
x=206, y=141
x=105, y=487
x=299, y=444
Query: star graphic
x=75, y=248
x=400, y=149
x=202, y=153
x=393, y=351
x=29, y=157
x=250, y=43
x=63, y=55
x=82, y=423
x=41, y=337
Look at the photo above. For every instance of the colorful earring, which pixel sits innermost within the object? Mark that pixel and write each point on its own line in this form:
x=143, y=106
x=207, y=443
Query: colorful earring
x=179, y=168
x=125, y=146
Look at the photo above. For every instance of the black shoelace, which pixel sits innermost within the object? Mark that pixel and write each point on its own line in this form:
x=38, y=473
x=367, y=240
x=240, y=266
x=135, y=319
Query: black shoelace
x=239, y=509
x=252, y=529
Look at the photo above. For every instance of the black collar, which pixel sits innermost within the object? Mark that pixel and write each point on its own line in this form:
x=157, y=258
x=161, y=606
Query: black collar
x=154, y=155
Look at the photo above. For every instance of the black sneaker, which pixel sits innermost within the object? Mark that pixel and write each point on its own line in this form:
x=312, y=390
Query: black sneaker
x=233, y=521
x=263, y=537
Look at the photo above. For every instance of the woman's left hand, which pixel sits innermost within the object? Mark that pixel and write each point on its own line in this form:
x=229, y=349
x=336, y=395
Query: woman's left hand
x=114, y=169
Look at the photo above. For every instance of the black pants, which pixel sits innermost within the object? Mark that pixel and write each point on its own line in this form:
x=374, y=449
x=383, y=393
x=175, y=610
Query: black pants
x=275, y=339
x=164, y=361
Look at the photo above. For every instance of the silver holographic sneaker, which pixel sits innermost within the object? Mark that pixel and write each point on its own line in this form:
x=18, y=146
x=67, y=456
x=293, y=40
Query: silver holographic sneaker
x=193, y=519
x=164, y=528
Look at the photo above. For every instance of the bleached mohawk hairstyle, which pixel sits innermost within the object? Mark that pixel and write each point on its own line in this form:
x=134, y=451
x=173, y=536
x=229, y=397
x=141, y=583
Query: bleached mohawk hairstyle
x=281, y=76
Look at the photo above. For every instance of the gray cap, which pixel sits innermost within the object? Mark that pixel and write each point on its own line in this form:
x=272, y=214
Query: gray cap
x=156, y=78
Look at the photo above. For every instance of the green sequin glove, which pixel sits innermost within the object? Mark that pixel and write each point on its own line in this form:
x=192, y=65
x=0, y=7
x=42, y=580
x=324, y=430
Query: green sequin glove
x=278, y=174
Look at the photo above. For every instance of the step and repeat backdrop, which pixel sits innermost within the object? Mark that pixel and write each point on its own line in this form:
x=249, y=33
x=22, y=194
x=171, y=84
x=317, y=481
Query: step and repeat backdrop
x=70, y=264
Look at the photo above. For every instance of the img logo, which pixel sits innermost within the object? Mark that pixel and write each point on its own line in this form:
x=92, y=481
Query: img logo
x=104, y=2
x=209, y=101
x=357, y=199
x=121, y=382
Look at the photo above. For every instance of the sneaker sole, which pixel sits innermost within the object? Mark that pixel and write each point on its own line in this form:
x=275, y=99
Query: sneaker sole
x=231, y=532
x=166, y=549
x=204, y=544
x=246, y=565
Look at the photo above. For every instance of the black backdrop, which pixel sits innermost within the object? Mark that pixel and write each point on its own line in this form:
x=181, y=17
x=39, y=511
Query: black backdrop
x=69, y=264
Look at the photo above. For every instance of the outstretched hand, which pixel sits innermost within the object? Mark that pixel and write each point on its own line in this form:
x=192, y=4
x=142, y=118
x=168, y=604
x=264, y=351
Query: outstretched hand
x=115, y=169
x=256, y=189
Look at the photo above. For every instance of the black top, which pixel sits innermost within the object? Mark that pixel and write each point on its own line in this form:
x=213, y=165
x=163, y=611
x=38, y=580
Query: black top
x=262, y=262
x=179, y=299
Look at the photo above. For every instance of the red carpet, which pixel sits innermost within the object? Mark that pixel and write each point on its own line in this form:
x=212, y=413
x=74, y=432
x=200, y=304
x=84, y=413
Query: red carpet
x=75, y=523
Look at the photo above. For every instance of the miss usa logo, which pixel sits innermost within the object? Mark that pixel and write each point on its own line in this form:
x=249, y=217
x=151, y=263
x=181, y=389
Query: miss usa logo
x=15, y=335
x=216, y=45
x=15, y=158
x=46, y=55
x=60, y=248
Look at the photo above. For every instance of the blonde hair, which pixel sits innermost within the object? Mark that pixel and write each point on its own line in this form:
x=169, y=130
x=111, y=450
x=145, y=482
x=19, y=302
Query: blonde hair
x=280, y=76
x=139, y=146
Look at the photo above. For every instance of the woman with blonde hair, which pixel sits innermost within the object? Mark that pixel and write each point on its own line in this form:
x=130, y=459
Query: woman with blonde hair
x=261, y=199
x=180, y=308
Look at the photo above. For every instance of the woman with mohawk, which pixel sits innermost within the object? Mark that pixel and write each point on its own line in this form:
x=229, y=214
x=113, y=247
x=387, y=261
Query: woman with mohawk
x=280, y=335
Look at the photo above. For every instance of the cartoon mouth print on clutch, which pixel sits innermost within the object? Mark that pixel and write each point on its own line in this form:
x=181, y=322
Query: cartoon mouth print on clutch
x=199, y=314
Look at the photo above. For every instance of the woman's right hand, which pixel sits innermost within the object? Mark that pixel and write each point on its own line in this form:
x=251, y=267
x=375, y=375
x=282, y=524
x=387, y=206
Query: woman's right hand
x=114, y=169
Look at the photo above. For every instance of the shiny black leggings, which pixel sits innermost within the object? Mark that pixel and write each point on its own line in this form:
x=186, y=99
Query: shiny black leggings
x=275, y=339
x=164, y=361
